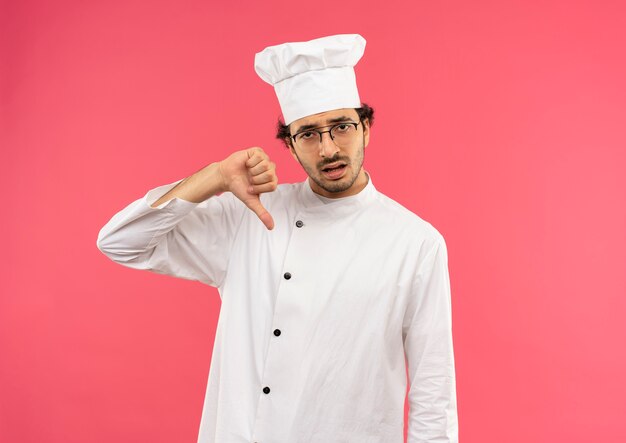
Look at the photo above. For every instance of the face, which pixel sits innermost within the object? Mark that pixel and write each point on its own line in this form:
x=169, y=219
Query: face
x=334, y=172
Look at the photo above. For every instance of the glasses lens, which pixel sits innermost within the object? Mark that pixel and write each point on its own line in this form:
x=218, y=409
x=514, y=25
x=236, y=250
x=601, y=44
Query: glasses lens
x=308, y=140
x=343, y=134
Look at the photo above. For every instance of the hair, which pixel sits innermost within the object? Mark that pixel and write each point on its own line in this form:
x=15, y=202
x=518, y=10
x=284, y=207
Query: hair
x=365, y=112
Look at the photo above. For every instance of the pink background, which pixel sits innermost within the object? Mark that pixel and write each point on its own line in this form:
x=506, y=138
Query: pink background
x=501, y=123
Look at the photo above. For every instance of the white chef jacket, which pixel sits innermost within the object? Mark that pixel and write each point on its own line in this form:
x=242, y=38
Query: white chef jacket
x=317, y=315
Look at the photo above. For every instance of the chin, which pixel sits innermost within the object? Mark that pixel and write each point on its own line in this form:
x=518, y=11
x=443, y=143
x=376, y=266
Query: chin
x=336, y=186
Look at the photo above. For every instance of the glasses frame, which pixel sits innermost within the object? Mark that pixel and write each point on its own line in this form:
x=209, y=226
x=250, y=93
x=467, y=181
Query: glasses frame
x=356, y=124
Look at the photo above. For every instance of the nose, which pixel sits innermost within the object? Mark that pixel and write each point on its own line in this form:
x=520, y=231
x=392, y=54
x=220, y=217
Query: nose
x=328, y=148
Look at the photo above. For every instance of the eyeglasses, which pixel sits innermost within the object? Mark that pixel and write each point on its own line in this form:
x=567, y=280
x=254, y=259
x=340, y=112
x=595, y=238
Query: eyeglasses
x=342, y=134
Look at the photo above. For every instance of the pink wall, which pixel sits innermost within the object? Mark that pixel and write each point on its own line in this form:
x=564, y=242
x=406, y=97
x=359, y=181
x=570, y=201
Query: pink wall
x=502, y=123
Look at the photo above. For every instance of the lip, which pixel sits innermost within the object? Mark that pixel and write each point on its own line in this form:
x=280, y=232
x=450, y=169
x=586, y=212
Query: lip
x=333, y=165
x=335, y=174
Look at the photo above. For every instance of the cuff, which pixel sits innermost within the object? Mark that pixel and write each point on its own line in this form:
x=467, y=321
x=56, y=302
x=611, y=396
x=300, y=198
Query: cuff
x=155, y=193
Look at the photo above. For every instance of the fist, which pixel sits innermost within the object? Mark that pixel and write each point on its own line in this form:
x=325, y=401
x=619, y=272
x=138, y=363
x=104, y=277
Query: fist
x=247, y=174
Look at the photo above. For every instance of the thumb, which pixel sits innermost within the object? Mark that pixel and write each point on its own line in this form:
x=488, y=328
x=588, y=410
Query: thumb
x=254, y=203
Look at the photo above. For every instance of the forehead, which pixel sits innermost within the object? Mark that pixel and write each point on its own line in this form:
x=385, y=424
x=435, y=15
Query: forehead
x=323, y=118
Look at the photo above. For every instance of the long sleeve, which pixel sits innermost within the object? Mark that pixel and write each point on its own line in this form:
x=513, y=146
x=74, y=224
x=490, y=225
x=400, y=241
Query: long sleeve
x=427, y=336
x=178, y=238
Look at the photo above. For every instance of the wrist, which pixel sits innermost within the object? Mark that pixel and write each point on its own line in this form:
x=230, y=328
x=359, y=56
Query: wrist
x=221, y=178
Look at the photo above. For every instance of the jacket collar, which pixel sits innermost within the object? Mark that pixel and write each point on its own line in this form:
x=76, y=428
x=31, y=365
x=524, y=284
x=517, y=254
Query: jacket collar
x=340, y=206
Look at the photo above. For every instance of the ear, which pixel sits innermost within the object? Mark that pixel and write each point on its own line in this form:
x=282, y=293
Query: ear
x=293, y=152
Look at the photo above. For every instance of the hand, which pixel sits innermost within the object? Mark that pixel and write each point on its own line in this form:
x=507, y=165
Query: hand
x=247, y=174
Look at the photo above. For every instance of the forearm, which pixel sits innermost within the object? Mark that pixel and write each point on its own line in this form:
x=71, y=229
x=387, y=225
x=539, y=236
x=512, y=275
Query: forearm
x=196, y=188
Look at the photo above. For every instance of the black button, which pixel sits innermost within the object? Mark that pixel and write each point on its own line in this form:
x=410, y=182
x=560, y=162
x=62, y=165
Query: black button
x=299, y=223
x=287, y=275
x=276, y=332
x=266, y=390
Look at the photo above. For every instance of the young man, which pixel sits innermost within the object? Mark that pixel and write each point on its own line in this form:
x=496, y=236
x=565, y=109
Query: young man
x=326, y=285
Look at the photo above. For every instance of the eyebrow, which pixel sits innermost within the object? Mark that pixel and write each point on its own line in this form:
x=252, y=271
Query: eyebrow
x=342, y=118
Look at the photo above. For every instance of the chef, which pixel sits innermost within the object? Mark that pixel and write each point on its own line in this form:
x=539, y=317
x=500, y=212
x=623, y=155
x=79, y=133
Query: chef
x=330, y=290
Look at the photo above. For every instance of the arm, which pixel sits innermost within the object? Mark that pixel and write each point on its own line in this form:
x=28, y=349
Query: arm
x=427, y=336
x=184, y=229
x=186, y=233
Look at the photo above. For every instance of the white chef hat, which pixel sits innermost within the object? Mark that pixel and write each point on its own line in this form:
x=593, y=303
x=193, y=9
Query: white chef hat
x=312, y=76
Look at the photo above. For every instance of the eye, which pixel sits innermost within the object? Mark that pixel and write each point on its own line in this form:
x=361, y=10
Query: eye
x=305, y=135
x=343, y=127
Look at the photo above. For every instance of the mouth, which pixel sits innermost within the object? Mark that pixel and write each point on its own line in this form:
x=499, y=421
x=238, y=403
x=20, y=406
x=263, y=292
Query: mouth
x=334, y=170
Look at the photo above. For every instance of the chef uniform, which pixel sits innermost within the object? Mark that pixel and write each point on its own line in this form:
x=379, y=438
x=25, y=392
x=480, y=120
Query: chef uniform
x=318, y=314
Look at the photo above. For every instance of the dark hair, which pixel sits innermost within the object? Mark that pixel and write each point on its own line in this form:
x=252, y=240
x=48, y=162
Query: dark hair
x=282, y=130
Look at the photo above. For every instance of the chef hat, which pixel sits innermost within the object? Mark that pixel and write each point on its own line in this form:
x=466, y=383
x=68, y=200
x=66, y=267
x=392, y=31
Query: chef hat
x=312, y=76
